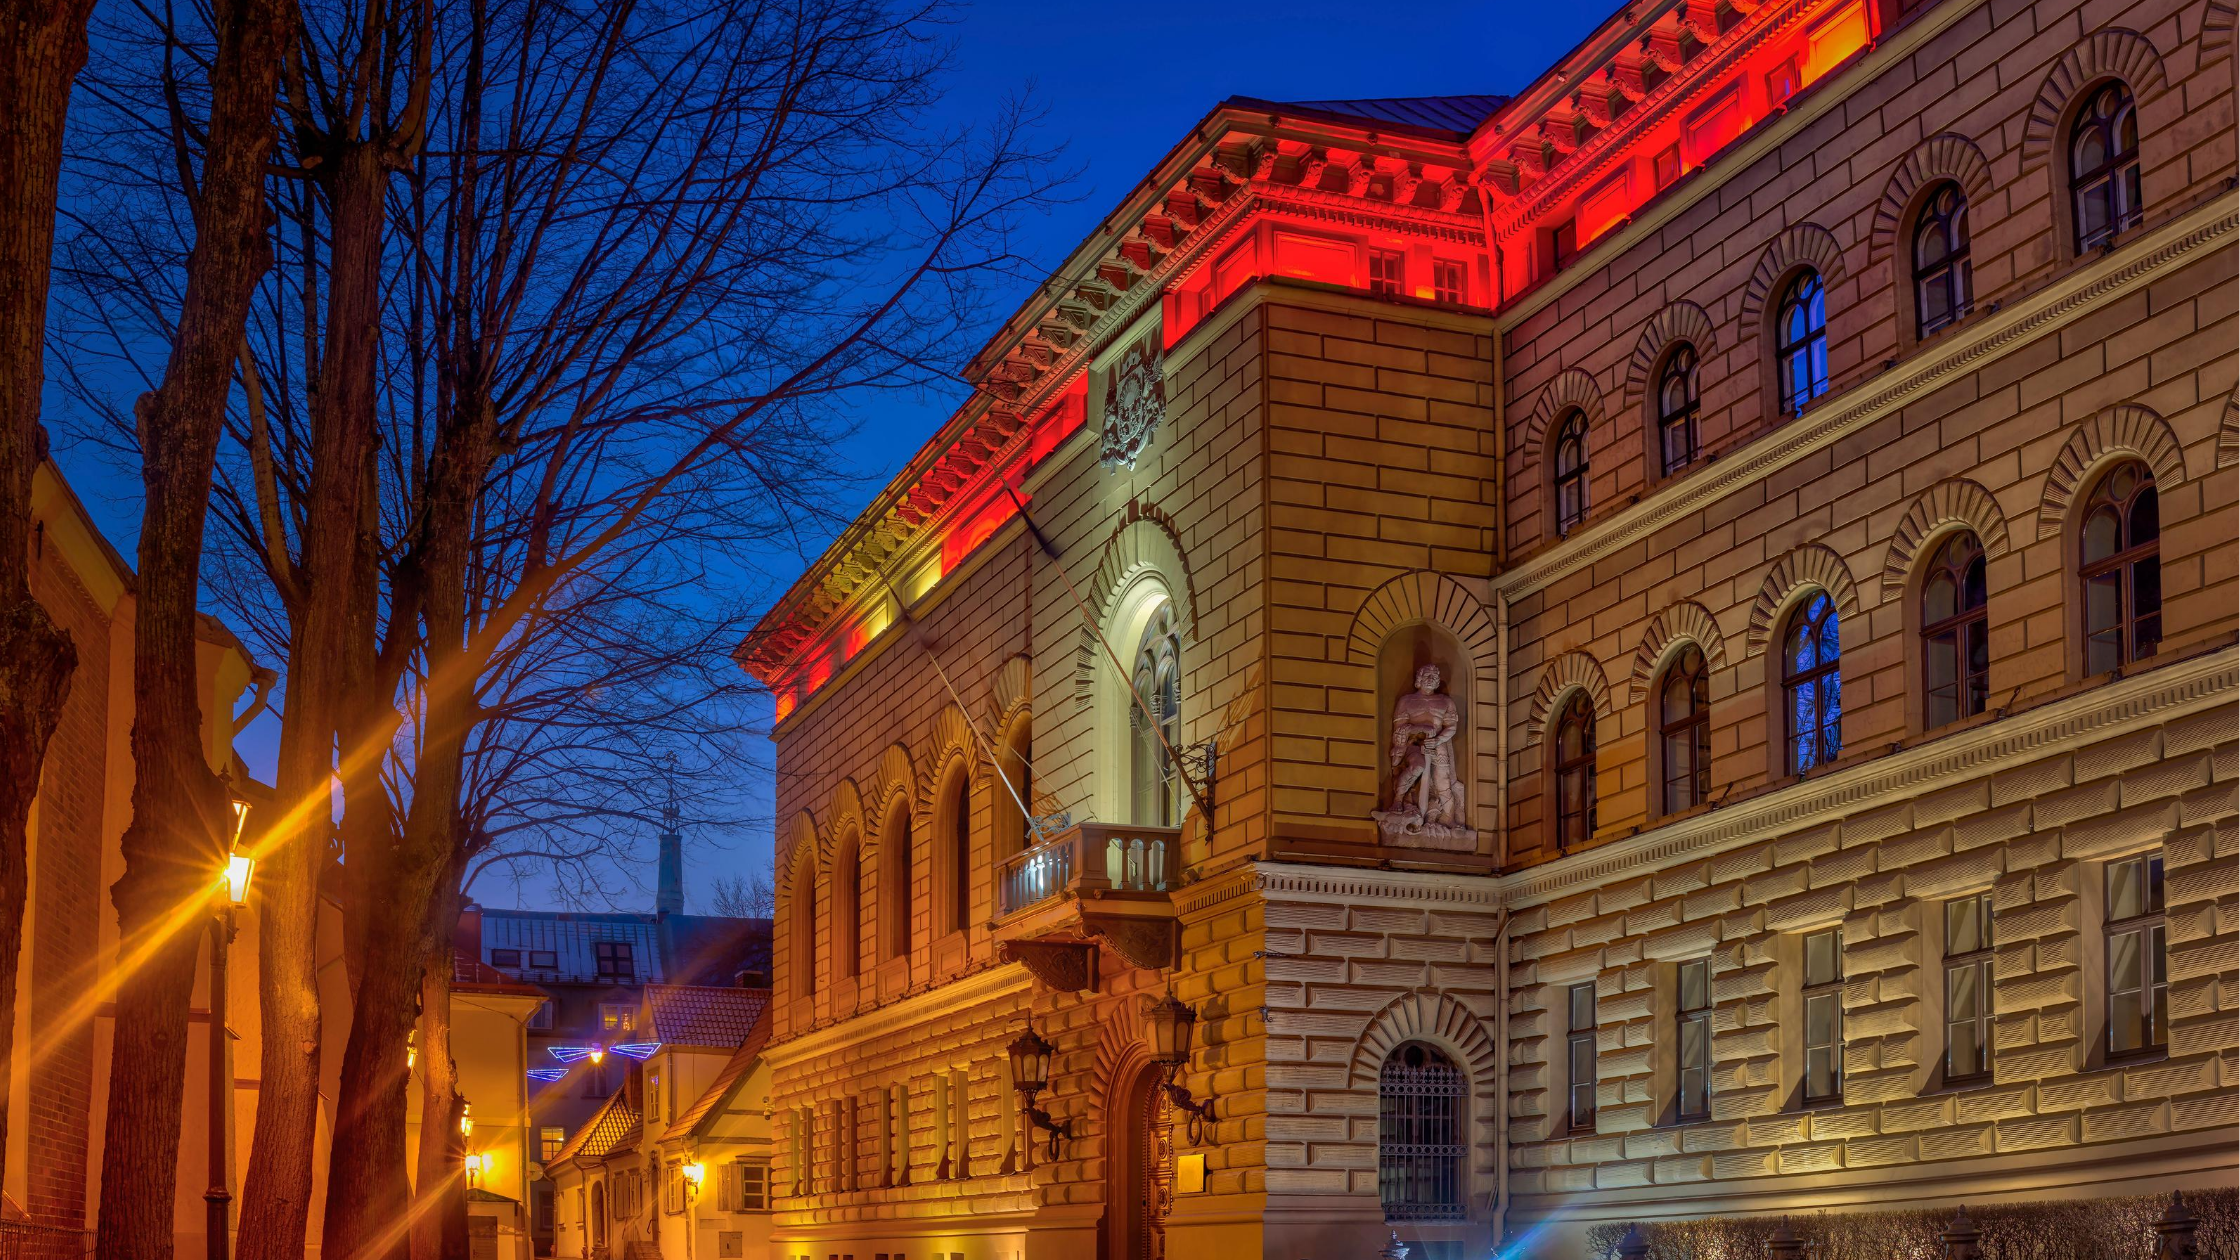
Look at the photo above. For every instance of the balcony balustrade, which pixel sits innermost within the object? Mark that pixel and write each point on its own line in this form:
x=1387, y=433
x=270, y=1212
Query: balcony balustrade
x=1093, y=880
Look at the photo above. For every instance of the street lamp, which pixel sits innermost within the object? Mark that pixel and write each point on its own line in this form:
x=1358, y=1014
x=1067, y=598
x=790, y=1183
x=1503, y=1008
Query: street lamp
x=466, y=1119
x=1030, y=1075
x=478, y=1167
x=233, y=877
x=1170, y=1023
x=693, y=1173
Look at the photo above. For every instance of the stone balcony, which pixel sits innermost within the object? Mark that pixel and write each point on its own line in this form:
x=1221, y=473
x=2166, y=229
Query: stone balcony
x=1091, y=884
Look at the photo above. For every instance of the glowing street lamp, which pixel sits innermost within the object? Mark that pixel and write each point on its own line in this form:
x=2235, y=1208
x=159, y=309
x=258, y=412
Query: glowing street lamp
x=1169, y=1023
x=1030, y=1075
x=478, y=1167
x=693, y=1173
x=466, y=1119
x=233, y=877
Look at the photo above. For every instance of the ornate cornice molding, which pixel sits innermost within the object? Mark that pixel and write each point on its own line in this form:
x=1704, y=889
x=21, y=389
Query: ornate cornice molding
x=2173, y=244
x=2156, y=696
x=1348, y=886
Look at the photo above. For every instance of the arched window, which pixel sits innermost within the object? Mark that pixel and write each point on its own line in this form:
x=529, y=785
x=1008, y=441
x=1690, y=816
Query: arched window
x=1812, y=686
x=1573, y=764
x=847, y=912
x=1421, y=1142
x=1014, y=789
x=1684, y=728
x=1955, y=633
x=2120, y=564
x=1943, y=280
x=2104, y=166
x=1677, y=400
x=896, y=875
x=803, y=913
x=1800, y=342
x=1571, y=471
x=1157, y=679
x=958, y=800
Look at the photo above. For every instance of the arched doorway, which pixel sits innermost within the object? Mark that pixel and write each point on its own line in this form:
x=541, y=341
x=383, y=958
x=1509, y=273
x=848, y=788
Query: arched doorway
x=1140, y=1170
x=598, y=1220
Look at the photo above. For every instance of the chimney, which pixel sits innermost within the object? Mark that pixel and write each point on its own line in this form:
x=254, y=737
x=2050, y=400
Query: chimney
x=668, y=897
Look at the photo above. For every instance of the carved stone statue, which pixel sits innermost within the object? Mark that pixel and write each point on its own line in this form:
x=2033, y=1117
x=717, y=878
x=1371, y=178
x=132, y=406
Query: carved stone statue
x=1426, y=809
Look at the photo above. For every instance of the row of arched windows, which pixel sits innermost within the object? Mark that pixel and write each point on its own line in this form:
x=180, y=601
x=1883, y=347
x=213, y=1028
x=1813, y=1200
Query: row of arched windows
x=827, y=914
x=2115, y=551
x=2103, y=181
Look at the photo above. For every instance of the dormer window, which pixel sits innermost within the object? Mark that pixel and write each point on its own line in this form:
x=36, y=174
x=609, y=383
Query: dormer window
x=615, y=961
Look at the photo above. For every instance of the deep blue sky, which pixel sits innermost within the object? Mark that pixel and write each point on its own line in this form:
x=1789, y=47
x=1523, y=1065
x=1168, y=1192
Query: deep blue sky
x=1118, y=86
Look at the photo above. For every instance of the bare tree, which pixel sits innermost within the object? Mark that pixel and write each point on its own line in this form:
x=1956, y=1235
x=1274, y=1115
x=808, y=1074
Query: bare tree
x=40, y=55
x=748, y=896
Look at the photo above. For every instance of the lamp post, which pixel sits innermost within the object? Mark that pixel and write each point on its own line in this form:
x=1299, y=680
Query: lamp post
x=233, y=881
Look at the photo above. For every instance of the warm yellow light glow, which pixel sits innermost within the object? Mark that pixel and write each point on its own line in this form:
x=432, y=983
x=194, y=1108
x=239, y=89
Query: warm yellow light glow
x=466, y=1119
x=239, y=867
x=411, y=1049
x=240, y=816
x=693, y=1172
x=598, y=1056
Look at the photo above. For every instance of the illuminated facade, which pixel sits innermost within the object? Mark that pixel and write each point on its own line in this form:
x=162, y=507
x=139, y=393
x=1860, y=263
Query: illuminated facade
x=1799, y=434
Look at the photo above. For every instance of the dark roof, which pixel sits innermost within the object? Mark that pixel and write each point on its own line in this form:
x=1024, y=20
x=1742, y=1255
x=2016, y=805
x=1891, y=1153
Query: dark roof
x=718, y=1093
x=712, y=949
x=471, y=973
x=614, y=1125
x=703, y=1015
x=1428, y=113
x=664, y=949
x=476, y=1194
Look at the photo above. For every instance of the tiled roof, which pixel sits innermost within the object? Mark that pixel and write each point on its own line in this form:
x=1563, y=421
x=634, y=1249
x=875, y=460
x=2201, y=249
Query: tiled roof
x=703, y=1015
x=614, y=1125
x=1433, y=113
x=719, y=1091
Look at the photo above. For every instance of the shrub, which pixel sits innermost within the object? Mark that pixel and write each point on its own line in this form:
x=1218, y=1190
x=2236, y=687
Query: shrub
x=2081, y=1229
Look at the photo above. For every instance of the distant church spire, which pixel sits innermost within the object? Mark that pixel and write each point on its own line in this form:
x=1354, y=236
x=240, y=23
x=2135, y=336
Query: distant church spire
x=668, y=898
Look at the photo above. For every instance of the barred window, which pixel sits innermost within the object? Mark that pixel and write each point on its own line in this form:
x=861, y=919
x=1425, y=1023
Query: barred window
x=1420, y=1138
x=1582, y=1047
x=1694, y=1041
x=1967, y=987
x=1823, y=1015
x=2138, y=979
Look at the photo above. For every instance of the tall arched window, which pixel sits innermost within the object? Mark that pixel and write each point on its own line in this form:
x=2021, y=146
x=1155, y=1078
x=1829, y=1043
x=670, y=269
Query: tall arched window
x=1014, y=789
x=1955, y=633
x=1421, y=1139
x=2120, y=565
x=896, y=879
x=1571, y=471
x=847, y=912
x=1573, y=765
x=1812, y=686
x=1943, y=279
x=1677, y=401
x=958, y=799
x=1684, y=730
x=1800, y=342
x=2104, y=166
x=1157, y=679
x=803, y=928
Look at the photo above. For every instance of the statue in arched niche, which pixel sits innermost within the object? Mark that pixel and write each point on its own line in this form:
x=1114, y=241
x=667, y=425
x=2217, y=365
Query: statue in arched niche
x=1426, y=809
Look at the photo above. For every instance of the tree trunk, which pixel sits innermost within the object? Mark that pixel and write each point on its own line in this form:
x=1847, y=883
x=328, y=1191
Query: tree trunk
x=439, y=1190
x=40, y=54
x=182, y=823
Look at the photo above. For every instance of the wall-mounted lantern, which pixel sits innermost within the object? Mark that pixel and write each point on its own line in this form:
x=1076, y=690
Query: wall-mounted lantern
x=1170, y=1024
x=1030, y=1075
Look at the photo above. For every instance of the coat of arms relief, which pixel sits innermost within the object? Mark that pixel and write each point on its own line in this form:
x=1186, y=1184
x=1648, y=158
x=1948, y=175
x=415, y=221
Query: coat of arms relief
x=1135, y=402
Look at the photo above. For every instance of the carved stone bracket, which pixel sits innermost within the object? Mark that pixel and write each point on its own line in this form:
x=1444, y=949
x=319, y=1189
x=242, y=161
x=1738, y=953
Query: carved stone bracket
x=1066, y=965
x=1146, y=943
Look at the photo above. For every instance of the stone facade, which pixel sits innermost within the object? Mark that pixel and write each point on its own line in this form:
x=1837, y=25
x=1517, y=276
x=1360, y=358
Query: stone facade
x=1372, y=333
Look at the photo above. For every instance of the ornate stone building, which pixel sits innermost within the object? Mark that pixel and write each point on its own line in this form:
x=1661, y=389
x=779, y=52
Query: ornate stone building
x=1799, y=434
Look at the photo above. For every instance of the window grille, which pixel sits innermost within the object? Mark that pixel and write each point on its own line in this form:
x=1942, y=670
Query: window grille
x=1582, y=1046
x=1694, y=1036
x=1967, y=987
x=1823, y=1016
x=1420, y=1139
x=2138, y=979
x=550, y=1139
